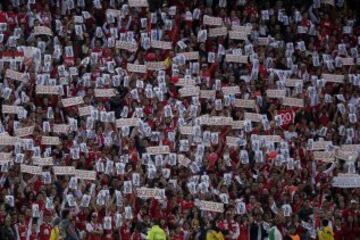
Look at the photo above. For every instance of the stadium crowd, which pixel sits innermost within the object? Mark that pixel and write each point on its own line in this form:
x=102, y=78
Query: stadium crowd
x=214, y=119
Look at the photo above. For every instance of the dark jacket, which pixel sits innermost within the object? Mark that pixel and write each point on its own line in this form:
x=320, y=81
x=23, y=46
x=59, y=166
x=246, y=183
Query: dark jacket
x=7, y=233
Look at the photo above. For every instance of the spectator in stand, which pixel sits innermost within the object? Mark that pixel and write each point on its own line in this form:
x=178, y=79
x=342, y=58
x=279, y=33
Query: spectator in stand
x=226, y=119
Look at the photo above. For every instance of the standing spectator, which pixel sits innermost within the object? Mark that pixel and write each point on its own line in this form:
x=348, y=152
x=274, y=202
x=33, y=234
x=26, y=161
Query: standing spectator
x=156, y=233
x=55, y=231
x=325, y=233
x=94, y=229
x=67, y=227
x=6, y=230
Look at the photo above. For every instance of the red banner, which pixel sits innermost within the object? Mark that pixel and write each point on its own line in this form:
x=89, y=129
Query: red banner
x=287, y=117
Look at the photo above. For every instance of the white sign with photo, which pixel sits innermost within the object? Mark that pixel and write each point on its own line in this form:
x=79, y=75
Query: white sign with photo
x=136, y=68
x=210, y=206
x=25, y=131
x=34, y=170
x=73, y=101
x=64, y=170
x=50, y=140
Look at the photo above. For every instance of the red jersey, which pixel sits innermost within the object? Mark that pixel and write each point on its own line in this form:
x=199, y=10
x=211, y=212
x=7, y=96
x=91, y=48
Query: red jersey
x=23, y=228
x=90, y=227
x=178, y=236
x=108, y=235
x=244, y=232
x=33, y=236
x=45, y=231
x=124, y=232
x=3, y=17
x=135, y=236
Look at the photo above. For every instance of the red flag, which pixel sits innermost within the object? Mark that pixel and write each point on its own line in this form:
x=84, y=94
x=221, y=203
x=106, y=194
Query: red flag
x=287, y=117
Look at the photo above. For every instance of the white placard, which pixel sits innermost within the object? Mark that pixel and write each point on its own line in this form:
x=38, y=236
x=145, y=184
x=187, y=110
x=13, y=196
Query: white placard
x=49, y=140
x=346, y=155
x=186, y=130
x=138, y=3
x=346, y=181
x=236, y=35
x=161, y=45
x=7, y=140
x=129, y=46
x=136, y=68
x=348, y=61
x=129, y=122
x=149, y=193
x=239, y=124
x=320, y=145
x=293, y=82
x=85, y=111
x=271, y=138
x=207, y=94
x=232, y=141
x=25, y=131
x=48, y=161
x=61, y=128
x=4, y=156
x=216, y=121
x=253, y=117
x=190, y=55
x=158, y=150
x=293, y=102
x=114, y=12
x=210, y=206
x=212, y=21
x=236, y=58
x=242, y=103
x=35, y=170
x=183, y=161
x=69, y=102
x=42, y=30
x=242, y=28
x=275, y=93
x=335, y=78
x=64, y=170
x=230, y=90
x=325, y=156
x=263, y=41
x=350, y=147
x=155, y=66
x=217, y=32
x=330, y=2
x=85, y=174
x=47, y=90
x=11, y=109
x=189, y=91
x=186, y=82
x=14, y=75
x=105, y=93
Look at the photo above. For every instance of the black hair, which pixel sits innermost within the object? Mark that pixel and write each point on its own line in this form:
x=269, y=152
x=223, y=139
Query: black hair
x=65, y=213
x=325, y=222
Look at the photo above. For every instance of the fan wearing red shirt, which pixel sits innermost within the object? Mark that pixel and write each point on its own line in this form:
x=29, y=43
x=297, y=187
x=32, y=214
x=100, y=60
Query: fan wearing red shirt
x=34, y=235
x=45, y=227
x=12, y=19
x=22, y=227
x=244, y=229
x=124, y=231
x=178, y=234
x=94, y=230
x=3, y=15
x=136, y=235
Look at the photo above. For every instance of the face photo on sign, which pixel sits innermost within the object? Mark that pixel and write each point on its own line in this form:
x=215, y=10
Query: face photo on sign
x=46, y=177
x=35, y=210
